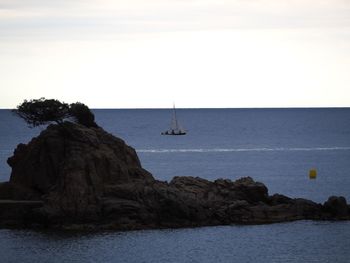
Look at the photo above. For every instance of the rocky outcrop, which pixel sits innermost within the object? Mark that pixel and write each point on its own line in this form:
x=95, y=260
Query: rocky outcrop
x=336, y=207
x=71, y=175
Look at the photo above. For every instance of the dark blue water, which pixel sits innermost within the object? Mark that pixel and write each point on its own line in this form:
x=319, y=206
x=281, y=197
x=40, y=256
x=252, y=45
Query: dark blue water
x=275, y=146
x=293, y=242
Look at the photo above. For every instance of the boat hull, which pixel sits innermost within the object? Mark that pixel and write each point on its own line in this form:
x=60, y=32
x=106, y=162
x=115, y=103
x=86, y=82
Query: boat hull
x=173, y=133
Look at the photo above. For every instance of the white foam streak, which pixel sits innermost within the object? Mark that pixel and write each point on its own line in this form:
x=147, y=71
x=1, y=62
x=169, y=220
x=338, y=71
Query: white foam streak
x=218, y=150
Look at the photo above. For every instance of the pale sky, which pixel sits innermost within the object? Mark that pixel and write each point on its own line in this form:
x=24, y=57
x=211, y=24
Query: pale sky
x=196, y=53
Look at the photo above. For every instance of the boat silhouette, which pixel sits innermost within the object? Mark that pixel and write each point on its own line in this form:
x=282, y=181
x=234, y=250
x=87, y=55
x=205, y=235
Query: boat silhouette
x=175, y=127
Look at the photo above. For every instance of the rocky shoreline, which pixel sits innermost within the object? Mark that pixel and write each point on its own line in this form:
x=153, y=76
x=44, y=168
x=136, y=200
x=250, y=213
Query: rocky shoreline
x=75, y=177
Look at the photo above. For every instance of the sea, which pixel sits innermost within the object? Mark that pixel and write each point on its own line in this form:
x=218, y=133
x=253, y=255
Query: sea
x=277, y=147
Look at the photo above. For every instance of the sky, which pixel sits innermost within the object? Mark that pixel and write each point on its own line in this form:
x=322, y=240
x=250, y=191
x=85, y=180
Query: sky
x=196, y=53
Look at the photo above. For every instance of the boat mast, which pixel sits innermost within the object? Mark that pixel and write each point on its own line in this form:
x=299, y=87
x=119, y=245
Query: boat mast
x=175, y=117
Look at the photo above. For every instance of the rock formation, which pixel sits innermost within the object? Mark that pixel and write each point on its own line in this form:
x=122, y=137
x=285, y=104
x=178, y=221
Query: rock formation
x=74, y=176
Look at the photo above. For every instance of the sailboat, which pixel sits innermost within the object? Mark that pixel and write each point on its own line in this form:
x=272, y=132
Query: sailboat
x=175, y=128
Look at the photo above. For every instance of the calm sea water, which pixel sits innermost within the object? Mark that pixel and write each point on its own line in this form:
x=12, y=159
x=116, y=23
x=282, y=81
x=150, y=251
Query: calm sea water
x=275, y=146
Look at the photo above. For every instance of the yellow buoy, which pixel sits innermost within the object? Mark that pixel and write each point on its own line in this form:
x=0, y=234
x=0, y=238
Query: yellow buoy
x=312, y=174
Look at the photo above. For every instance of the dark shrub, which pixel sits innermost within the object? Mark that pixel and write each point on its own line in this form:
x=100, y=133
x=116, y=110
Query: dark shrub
x=82, y=114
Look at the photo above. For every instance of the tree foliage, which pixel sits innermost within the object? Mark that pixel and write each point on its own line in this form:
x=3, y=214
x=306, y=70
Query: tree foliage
x=82, y=114
x=42, y=111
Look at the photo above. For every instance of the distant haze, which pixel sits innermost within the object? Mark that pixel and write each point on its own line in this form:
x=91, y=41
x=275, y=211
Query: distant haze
x=196, y=53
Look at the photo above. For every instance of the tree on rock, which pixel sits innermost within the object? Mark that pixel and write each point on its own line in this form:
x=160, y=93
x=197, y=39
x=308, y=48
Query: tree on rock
x=42, y=111
x=82, y=114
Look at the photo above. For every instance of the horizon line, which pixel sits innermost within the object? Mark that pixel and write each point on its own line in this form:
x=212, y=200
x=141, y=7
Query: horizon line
x=208, y=108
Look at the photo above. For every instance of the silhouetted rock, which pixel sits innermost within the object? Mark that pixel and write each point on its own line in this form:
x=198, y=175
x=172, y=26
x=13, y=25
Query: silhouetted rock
x=77, y=177
x=336, y=207
x=69, y=166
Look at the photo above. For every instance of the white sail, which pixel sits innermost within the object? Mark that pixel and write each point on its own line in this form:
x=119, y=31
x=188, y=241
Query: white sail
x=174, y=123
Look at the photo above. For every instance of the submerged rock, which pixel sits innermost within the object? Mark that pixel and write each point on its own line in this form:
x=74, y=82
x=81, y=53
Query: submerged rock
x=72, y=176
